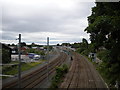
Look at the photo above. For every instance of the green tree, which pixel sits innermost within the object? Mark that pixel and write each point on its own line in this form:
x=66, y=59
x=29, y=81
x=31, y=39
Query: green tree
x=76, y=45
x=23, y=44
x=104, y=31
x=85, y=43
x=66, y=44
x=58, y=44
x=5, y=56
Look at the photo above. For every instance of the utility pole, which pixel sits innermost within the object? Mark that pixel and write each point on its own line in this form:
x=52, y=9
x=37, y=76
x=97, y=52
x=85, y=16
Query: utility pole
x=48, y=58
x=19, y=65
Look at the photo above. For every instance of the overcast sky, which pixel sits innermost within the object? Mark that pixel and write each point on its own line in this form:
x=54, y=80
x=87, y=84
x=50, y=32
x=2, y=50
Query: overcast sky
x=61, y=20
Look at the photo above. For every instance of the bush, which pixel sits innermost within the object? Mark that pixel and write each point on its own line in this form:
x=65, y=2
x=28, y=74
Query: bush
x=5, y=56
x=103, y=55
x=65, y=68
x=60, y=71
x=35, y=51
x=85, y=52
x=109, y=68
x=80, y=50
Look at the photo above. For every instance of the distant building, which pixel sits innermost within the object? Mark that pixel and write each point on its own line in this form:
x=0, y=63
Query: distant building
x=14, y=49
x=38, y=48
x=34, y=47
x=41, y=48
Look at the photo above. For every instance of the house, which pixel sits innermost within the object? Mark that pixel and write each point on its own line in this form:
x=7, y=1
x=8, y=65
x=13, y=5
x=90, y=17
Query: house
x=38, y=48
x=41, y=48
x=14, y=49
x=34, y=47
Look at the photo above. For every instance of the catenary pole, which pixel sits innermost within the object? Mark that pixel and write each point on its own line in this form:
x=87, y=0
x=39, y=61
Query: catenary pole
x=48, y=58
x=19, y=65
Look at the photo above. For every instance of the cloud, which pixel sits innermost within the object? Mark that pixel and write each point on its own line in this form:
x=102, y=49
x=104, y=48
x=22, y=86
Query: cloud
x=61, y=20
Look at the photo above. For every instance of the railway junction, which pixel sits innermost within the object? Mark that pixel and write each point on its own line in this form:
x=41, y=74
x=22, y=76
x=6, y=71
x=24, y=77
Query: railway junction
x=81, y=74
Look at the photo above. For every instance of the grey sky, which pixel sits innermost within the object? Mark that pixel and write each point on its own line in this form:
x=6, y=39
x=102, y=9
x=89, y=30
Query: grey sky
x=61, y=20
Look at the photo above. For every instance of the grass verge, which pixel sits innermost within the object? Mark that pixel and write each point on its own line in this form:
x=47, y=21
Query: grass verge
x=12, y=70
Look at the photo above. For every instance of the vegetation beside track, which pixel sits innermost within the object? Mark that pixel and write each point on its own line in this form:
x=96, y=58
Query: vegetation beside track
x=60, y=72
x=12, y=70
x=104, y=33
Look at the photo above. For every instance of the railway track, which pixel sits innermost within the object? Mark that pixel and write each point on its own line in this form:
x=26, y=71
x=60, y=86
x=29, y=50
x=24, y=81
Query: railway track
x=36, y=77
x=82, y=74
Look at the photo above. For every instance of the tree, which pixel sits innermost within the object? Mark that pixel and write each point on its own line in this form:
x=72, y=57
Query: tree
x=76, y=45
x=104, y=31
x=23, y=44
x=33, y=44
x=13, y=44
x=85, y=43
x=66, y=44
x=5, y=56
x=58, y=44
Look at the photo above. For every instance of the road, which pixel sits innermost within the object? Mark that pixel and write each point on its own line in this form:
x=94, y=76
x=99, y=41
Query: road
x=82, y=74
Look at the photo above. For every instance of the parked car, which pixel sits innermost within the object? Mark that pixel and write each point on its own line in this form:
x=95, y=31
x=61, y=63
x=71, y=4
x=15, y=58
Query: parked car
x=36, y=57
x=31, y=55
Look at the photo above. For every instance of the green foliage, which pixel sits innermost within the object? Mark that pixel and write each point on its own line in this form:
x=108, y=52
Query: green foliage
x=83, y=47
x=12, y=70
x=65, y=68
x=84, y=43
x=80, y=50
x=66, y=44
x=60, y=71
x=58, y=44
x=23, y=44
x=85, y=52
x=104, y=31
x=35, y=51
x=6, y=56
x=75, y=45
x=50, y=47
x=33, y=45
x=103, y=55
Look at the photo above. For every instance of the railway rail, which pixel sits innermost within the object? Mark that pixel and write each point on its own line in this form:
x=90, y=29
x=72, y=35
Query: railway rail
x=82, y=74
x=36, y=77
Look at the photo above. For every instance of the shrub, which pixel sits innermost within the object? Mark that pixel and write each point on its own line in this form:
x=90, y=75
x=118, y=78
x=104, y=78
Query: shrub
x=85, y=52
x=65, y=68
x=60, y=71
x=80, y=50
x=5, y=56
x=103, y=55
